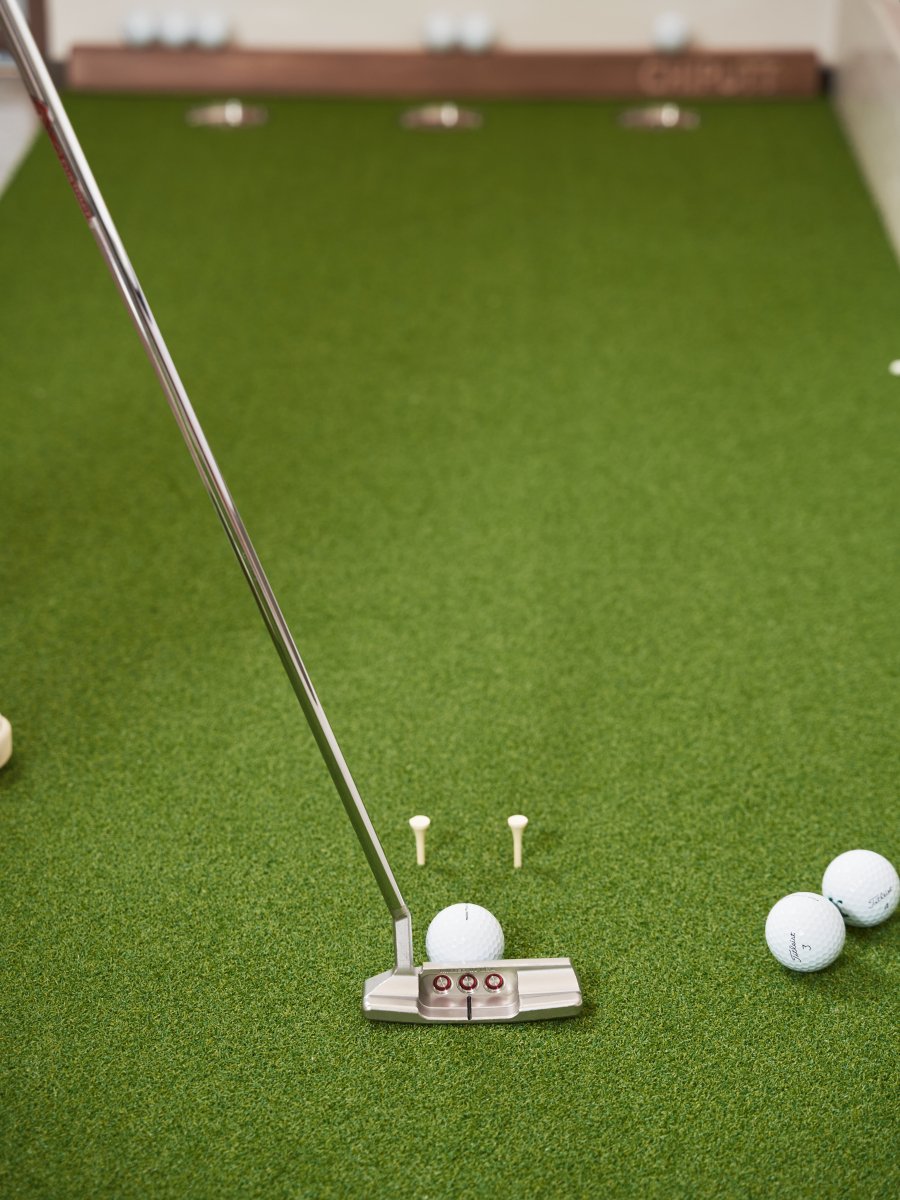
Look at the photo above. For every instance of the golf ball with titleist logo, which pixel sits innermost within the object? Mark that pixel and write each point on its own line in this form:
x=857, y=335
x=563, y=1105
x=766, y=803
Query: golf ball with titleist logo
x=863, y=885
x=805, y=931
x=464, y=934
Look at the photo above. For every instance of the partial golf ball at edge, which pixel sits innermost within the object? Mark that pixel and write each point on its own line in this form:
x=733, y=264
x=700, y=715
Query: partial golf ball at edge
x=863, y=885
x=465, y=934
x=805, y=931
x=6, y=741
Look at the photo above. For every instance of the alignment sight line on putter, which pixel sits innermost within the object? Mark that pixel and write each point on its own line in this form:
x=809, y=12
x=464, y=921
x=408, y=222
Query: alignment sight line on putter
x=530, y=988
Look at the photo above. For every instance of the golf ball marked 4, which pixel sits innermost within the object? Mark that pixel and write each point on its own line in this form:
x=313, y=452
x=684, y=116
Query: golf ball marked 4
x=464, y=934
x=863, y=885
x=805, y=932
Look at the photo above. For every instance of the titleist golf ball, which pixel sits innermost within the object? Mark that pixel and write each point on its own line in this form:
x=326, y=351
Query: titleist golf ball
x=805, y=932
x=864, y=886
x=465, y=934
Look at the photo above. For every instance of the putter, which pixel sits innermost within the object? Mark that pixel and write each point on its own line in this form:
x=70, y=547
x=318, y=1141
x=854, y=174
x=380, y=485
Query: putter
x=504, y=990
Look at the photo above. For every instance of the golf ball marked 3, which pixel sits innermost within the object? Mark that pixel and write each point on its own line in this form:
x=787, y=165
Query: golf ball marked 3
x=805, y=931
x=863, y=885
x=464, y=934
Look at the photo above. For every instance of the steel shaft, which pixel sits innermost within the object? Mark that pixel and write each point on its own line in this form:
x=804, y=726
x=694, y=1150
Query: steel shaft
x=59, y=129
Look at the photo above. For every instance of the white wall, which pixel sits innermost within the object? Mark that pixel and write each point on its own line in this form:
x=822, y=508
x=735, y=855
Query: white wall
x=18, y=125
x=523, y=24
x=867, y=96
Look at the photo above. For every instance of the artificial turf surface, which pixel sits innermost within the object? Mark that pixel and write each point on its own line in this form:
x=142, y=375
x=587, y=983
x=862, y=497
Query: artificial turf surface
x=572, y=456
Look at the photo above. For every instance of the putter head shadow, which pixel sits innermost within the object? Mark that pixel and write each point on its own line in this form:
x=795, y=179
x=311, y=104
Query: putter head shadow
x=507, y=989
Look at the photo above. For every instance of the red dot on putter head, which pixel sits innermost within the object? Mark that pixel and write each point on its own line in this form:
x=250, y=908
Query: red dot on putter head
x=442, y=983
x=494, y=982
x=468, y=983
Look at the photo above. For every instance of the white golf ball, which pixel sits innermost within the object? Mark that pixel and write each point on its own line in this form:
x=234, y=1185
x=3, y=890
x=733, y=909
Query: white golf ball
x=176, y=29
x=5, y=741
x=140, y=27
x=212, y=30
x=465, y=934
x=476, y=33
x=805, y=932
x=671, y=33
x=439, y=32
x=863, y=885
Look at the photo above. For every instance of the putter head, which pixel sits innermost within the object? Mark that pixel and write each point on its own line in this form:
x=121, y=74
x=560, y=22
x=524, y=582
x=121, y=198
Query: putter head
x=507, y=989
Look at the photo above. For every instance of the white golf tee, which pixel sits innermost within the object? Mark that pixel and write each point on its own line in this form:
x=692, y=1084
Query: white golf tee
x=418, y=825
x=517, y=824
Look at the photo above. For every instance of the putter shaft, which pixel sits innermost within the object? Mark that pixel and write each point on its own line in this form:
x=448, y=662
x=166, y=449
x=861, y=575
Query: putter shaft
x=530, y=989
x=53, y=116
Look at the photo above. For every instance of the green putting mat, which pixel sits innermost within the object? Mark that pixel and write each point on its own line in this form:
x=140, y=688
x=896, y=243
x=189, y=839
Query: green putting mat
x=572, y=455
